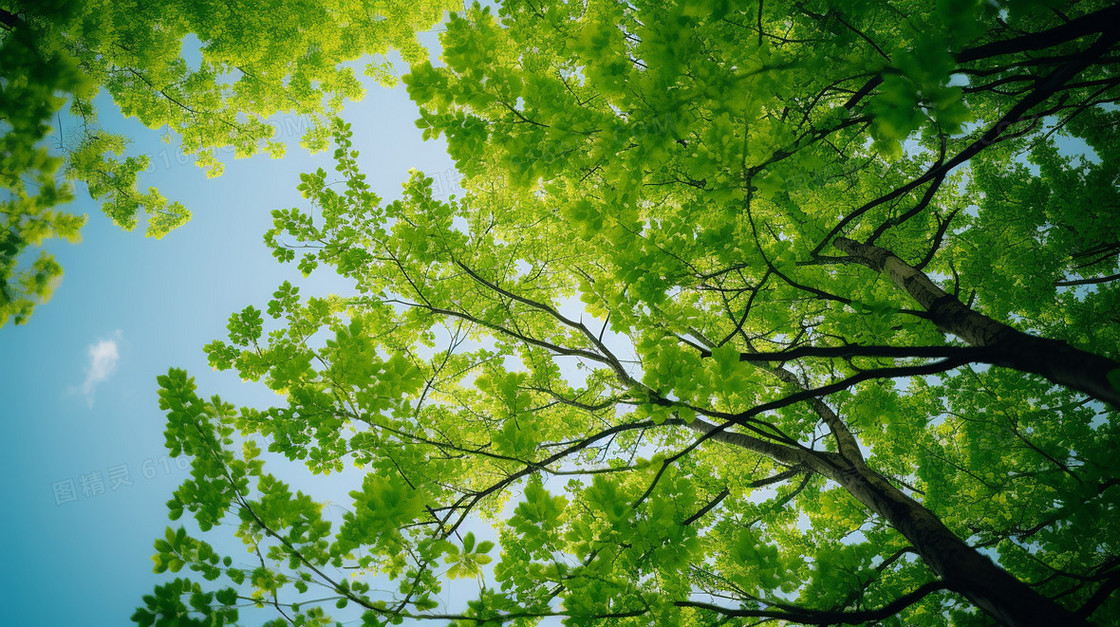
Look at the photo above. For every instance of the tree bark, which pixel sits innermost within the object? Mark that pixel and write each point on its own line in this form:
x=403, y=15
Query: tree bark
x=965, y=569
x=1089, y=24
x=962, y=567
x=1055, y=360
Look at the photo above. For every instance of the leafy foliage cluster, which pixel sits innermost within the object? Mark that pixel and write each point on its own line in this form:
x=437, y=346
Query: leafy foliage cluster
x=258, y=60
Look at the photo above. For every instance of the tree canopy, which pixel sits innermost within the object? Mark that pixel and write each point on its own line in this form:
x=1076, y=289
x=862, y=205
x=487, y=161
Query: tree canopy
x=798, y=312
x=255, y=60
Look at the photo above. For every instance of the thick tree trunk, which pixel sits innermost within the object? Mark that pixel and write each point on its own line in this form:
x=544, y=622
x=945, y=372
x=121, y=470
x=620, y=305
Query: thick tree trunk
x=1059, y=362
x=969, y=572
x=965, y=569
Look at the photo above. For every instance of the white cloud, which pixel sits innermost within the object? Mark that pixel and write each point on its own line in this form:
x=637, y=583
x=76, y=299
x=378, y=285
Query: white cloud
x=103, y=357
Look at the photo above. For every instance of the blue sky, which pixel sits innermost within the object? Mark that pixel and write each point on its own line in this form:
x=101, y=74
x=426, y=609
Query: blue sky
x=86, y=476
